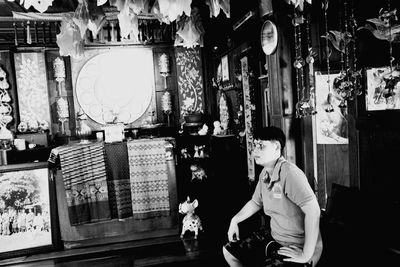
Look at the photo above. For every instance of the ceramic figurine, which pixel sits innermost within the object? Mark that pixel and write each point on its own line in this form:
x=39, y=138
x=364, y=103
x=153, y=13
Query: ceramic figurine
x=217, y=128
x=191, y=222
x=198, y=173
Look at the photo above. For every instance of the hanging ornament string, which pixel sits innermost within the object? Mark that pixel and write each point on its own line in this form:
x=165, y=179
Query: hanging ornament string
x=298, y=64
x=310, y=61
x=355, y=73
x=391, y=80
x=304, y=106
x=328, y=107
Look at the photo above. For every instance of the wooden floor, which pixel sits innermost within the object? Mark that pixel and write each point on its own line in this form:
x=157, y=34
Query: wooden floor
x=167, y=251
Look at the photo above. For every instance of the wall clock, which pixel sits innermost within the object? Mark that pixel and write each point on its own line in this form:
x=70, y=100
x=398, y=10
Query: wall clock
x=269, y=37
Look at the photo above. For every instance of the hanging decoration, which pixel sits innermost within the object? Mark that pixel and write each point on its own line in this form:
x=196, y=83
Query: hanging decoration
x=310, y=59
x=61, y=101
x=388, y=17
x=166, y=102
x=216, y=6
x=39, y=5
x=348, y=83
x=299, y=4
x=328, y=107
x=303, y=107
x=190, y=30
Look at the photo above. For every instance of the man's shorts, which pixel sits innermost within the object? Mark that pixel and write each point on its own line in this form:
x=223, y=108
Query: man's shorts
x=259, y=249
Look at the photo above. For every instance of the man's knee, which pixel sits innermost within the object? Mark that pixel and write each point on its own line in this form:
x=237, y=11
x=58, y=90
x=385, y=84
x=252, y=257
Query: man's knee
x=228, y=256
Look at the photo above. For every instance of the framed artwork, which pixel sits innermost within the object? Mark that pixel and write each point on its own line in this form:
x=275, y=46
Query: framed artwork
x=225, y=68
x=27, y=210
x=331, y=120
x=377, y=97
x=33, y=96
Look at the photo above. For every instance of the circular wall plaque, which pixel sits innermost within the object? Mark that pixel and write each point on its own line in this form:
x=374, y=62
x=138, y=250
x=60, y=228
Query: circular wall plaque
x=269, y=37
x=116, y=86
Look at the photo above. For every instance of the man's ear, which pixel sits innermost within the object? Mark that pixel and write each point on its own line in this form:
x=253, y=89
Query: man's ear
x=278, y=146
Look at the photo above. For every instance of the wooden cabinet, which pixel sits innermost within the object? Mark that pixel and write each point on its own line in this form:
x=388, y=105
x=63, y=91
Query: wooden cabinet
x=225, y=189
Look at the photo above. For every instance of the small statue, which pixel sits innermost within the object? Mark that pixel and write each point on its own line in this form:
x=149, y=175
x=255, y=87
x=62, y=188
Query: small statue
x=196, y=152
x=198, y=173
x=203, y=130
x=184, y=153
x=191, y=221
x=217, y=128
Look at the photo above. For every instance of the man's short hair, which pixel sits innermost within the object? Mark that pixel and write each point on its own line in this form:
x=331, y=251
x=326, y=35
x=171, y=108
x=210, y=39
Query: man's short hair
x=271, y=133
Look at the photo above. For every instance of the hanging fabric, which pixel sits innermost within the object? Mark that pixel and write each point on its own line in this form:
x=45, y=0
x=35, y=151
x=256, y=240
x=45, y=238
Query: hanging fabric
x=149, y=178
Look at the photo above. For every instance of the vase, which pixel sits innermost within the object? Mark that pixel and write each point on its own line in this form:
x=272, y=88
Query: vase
x=83, y=131
x=194, y=118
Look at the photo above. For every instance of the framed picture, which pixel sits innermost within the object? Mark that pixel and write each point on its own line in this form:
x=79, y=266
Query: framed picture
x=377, y=91
x=331, y=120
x=32, y=90
x=225, y=68
x=28, y=210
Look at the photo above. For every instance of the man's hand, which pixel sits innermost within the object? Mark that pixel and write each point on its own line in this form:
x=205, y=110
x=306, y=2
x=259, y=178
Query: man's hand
x=233, y=231
x=294, y=254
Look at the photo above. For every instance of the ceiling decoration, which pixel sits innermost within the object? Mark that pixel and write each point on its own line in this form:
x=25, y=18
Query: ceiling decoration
x=91, y=15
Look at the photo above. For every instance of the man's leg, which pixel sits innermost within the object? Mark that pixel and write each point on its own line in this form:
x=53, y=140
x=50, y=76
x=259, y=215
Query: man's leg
x=230, y=259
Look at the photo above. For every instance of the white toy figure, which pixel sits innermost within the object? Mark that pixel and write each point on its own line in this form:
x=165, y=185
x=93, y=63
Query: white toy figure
x=203, y=130
x=217, y=128
x=198, y=173
x=196, y=152
x=191, y=221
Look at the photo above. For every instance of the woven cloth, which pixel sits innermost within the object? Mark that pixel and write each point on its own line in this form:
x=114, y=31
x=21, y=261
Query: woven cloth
x=84, y=174
x=119, y=185
x=149, y=178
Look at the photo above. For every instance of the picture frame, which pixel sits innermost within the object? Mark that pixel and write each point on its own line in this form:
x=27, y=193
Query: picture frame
x=331, y=121
x=28, y=209
x=376, y=90
x=225, y=68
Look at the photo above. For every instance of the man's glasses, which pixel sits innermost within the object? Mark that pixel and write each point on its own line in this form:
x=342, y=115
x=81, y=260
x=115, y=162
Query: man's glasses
x=258, y=144
x=261, y=145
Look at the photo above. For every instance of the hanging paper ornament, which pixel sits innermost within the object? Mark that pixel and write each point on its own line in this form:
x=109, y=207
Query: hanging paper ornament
x=166, y=103
x=69, y=39
x=39, y=5
x=163, y=63
x=59, y=69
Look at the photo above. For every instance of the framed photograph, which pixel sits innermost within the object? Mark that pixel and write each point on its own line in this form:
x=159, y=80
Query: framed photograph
x=331, y=120
x=28, y=210
x=225, y=68
x=377, y=91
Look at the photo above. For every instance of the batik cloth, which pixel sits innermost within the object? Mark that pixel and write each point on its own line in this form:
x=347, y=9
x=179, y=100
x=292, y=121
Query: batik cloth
x=119, y=185
x=149, y=178
x=84, y=174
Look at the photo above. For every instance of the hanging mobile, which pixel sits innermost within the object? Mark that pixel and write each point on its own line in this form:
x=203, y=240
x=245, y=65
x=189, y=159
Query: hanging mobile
x=328, y=107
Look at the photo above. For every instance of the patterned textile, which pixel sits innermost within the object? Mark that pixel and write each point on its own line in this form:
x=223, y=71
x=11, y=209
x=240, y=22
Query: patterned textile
x=119, y=185
x=84, y=174
x=149, y=178
x=190, y=79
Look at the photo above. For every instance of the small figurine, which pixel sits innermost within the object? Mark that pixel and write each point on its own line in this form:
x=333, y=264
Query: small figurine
x=217, y=128
x=191, y=221
x=198, y=173
x=196, y=152
x=201, y=151
x=203, y=130
x=184, y=153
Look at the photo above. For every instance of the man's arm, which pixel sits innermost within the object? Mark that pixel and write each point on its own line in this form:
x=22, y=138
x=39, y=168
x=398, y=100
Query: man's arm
x=248, y=210
x=311, y=233
x=311, y=227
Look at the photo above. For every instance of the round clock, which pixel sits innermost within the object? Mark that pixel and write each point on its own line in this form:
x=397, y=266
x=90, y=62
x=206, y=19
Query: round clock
x=269, y=37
